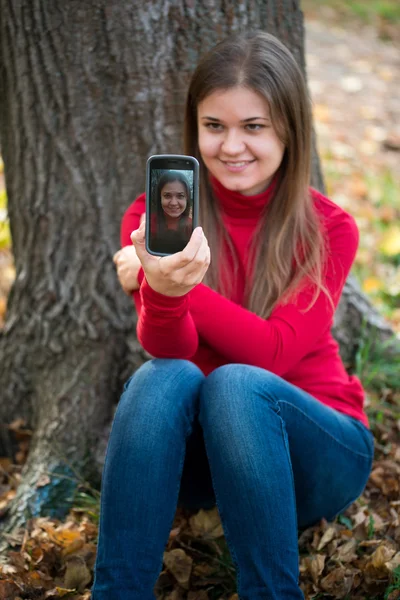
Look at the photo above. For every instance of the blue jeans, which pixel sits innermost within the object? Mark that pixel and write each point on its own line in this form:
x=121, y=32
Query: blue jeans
x=276, y=459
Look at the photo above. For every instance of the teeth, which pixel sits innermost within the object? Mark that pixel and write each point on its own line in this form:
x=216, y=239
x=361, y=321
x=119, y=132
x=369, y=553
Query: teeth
x=236, y=164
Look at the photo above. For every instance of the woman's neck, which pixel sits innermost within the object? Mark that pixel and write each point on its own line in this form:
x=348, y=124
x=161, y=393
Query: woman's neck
x=172, y=222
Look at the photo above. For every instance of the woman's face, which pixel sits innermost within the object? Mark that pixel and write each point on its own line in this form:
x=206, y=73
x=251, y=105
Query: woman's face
x=174, y=198
x=237, y=141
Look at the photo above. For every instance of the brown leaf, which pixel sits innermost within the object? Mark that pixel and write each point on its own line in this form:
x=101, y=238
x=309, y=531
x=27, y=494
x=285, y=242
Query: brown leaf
x=375, y=567
x=77, y=575
x=8, y=589
x=338, y=582
x=346, y=552
x=315, y=565
x=327, y=537
x=73, y=547
x=207, y=524
x=180, y=565
x=393, y=563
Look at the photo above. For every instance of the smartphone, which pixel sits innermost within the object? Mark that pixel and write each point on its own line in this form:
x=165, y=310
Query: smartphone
x=172, y=202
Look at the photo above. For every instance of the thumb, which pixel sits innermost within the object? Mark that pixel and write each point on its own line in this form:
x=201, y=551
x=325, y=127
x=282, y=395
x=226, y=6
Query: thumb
x=138, y=240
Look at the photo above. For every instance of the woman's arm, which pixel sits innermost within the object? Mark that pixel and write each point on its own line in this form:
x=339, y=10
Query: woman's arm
x=165, y=327
x=279, y=342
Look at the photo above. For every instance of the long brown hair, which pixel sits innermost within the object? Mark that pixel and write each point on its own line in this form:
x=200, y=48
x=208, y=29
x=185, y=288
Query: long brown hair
x=288, y=248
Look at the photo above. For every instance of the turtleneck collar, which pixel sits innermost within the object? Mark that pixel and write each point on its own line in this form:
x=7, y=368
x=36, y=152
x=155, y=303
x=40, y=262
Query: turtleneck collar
x=238, y=206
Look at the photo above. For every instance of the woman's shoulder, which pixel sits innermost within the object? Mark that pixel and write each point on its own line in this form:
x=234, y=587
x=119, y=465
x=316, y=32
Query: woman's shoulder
x=333, y=215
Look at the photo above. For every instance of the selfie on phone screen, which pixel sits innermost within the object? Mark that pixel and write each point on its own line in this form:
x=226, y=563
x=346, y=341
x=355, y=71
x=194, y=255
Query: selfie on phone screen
x=171, y=209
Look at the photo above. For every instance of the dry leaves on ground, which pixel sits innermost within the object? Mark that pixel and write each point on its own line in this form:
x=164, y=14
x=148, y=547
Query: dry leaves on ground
x=357, y=556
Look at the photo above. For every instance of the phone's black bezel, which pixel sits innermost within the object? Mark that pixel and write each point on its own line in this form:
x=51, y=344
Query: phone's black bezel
x=171, y=161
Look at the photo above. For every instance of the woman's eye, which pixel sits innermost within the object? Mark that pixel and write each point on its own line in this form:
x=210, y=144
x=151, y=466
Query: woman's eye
x=255, y=126
x=214, y=126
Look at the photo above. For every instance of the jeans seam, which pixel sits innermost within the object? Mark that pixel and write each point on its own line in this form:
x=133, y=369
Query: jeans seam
x=361, y=454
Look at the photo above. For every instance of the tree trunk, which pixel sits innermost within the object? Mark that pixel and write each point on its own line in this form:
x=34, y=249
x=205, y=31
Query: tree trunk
x=87, y=92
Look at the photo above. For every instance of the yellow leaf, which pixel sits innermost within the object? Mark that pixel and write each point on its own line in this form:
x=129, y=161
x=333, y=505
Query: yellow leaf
x=372, y=284
x=390, y=244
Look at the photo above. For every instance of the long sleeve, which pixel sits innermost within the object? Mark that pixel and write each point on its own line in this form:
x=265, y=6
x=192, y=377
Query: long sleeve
x=165, y=328
x=289, y=334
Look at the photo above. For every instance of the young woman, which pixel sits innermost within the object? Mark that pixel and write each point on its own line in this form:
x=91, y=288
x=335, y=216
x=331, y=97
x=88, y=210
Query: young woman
x=171, y=224
x=246, y=374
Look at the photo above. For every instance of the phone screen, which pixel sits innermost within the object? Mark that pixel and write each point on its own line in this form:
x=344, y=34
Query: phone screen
x=171, y=204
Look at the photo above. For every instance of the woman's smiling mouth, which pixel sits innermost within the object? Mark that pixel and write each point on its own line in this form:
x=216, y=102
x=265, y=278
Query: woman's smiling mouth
x=236, y=166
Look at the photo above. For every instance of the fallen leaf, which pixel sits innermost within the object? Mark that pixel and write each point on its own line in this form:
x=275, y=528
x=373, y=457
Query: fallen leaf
x=58, y=592
x=375, y=567
x=346, y=552
x=315, y=565
x=180, y=565
x=8, y=589
x=77, y=574
x=327, y=537
x=338, y=583
x=207, y=524
x=393, y=563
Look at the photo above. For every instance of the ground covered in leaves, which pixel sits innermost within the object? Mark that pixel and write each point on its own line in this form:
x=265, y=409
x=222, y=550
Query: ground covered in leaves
x=354, y=81
x=356, y=557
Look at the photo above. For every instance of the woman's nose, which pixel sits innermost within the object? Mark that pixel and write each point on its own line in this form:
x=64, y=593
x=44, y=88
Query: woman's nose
x=233, y=142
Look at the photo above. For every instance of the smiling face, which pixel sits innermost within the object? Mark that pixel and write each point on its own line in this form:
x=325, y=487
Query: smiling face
x=237, y=142
x=174, y=199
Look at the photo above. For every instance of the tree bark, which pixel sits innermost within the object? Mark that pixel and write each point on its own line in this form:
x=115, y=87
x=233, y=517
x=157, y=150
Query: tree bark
x=87, y=92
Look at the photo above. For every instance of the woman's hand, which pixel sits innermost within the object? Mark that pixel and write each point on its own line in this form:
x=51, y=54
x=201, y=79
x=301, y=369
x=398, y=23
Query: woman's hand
x=128, y=265
x=176, y=274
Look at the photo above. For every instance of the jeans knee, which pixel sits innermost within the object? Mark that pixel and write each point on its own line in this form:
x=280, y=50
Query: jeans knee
x=232, y=389
x=160, y=387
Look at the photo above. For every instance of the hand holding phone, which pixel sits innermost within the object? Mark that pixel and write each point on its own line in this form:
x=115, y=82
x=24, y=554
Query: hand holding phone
x=178, y=273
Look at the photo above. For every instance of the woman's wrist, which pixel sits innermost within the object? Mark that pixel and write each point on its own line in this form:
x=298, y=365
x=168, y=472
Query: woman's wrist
x=157, y=298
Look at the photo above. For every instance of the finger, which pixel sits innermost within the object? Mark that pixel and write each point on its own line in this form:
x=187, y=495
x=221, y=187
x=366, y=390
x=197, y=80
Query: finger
x=138, y=236
x=138, y=240
x=116, y=256
x=142, y=218
x=180, y=259
x=199, y=263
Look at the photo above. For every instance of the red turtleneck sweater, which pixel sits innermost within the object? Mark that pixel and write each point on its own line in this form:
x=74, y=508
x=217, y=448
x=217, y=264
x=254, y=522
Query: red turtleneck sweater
x=211, y=330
